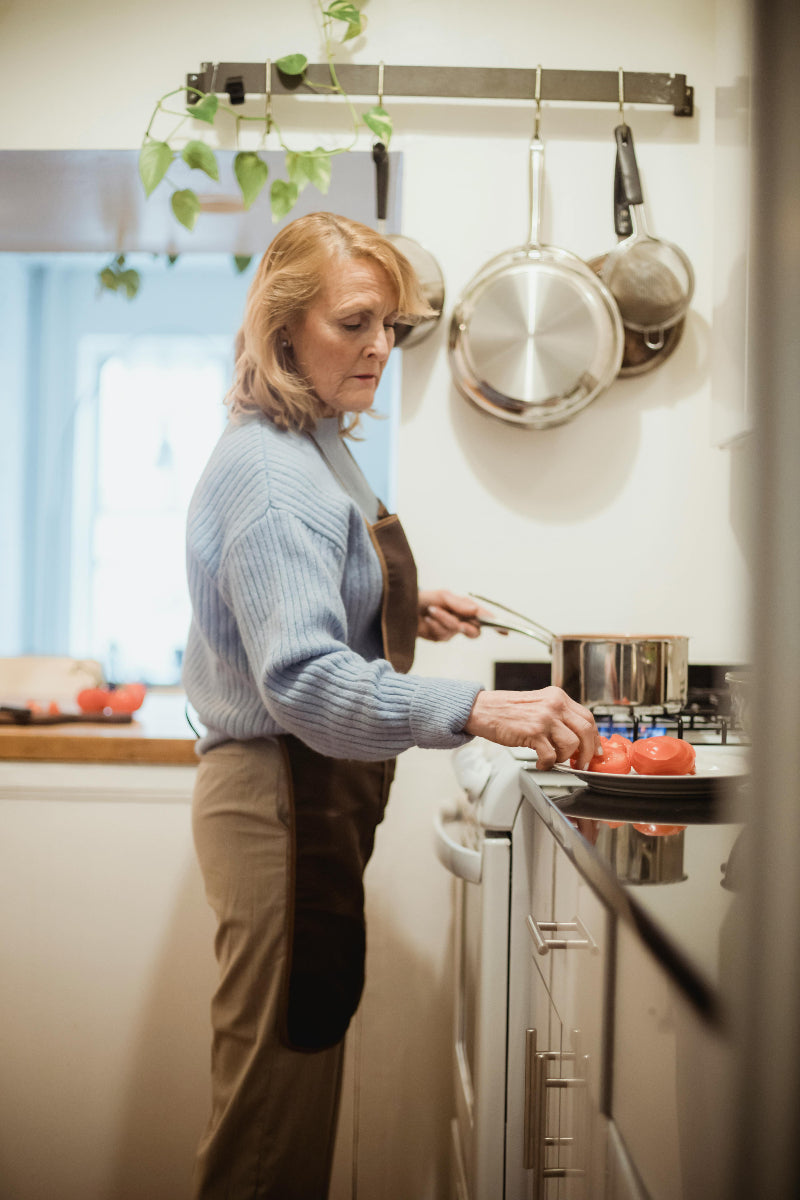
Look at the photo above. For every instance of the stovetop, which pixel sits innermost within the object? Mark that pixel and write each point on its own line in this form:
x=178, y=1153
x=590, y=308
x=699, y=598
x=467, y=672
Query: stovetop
x=706, y=719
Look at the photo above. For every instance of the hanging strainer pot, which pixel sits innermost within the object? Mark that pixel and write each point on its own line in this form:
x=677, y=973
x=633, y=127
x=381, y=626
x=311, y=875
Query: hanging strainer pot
x=651, y=280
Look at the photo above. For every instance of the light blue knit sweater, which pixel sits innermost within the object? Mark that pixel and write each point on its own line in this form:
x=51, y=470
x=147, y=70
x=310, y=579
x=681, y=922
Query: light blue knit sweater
x=285, y=587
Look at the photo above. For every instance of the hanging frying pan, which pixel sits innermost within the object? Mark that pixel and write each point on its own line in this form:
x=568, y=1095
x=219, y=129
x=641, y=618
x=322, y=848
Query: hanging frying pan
x=651, y=279
x=426, y=268
x=639, y=355
x=537, y=335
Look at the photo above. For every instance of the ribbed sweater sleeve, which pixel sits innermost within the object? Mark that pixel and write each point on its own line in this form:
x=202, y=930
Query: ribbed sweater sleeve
x=283, y=580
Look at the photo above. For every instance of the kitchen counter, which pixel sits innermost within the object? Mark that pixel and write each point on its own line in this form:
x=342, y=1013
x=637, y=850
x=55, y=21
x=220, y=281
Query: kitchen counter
x=159, y=733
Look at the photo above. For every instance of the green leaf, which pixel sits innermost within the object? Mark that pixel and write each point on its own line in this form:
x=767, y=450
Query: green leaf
x=378, y=120
x=205, y=109
x=242, y=262
x=283, y=197
x=129, y=280
x=355, y=28
x=251, y=174
x=198, y=155
x=343, y=10
x=172, y=259
x=154, y=162
x=315, y=167
x=186, y=207
x=108, y=279
x=292, y=64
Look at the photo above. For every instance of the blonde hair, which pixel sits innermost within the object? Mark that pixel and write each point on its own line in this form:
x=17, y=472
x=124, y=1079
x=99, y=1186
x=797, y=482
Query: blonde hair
x=289, y=278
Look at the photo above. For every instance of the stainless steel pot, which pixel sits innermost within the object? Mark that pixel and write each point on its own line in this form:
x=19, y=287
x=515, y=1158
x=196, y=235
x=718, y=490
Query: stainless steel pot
x=646, y=672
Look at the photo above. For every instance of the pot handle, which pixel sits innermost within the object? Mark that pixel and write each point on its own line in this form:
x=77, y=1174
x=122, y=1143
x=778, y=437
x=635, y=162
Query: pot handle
x=535, y=187
x=546, y=641
x=631, y=187
x=380, y=156
x=622, y=214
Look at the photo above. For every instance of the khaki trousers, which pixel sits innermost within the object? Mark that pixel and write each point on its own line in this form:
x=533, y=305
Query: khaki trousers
x=274, y=1110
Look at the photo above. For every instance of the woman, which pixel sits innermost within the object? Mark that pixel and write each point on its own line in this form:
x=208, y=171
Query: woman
x=305, y=613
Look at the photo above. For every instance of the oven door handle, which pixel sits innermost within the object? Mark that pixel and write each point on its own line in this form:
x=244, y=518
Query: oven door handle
x=460, y=860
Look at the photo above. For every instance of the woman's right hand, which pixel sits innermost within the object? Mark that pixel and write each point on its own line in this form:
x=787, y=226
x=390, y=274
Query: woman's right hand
x=546, y=721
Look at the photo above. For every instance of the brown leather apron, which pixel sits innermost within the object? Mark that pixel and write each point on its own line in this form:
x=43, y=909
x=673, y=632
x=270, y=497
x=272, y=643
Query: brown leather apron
x=335, y=806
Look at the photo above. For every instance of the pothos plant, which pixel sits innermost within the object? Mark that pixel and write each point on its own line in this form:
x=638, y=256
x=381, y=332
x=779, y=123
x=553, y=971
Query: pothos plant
x=341, y=21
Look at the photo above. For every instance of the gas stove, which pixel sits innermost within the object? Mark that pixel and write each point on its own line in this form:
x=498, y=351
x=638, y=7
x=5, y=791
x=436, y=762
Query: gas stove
x=707, y=718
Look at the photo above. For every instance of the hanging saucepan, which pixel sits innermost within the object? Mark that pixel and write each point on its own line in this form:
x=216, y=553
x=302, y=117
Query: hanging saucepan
x=599, y=670
x=426, y=268
x=651, y=280
x=537, y=335
x=639, y=356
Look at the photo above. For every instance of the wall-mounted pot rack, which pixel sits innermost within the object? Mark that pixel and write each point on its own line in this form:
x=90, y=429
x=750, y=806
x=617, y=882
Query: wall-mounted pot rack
x=239, y=80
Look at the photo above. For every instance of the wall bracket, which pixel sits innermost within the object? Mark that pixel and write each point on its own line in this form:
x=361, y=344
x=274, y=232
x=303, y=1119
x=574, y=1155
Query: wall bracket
x=453, y=83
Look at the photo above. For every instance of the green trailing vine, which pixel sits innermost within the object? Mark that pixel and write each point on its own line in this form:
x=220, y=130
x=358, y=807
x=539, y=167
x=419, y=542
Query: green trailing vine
x=302, y=167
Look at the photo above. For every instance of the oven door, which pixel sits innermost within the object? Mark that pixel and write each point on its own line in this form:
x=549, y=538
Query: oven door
x=482, y=887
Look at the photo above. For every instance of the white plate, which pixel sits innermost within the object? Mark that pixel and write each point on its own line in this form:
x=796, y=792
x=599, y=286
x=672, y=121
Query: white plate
x=714, y=766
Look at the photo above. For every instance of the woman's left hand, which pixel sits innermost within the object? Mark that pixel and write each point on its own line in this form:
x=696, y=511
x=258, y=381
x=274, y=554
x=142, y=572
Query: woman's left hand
x=442, y=615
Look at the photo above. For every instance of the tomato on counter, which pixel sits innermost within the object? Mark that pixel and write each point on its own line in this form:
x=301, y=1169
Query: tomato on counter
x=123, y=699
x=614, y=758
x=663, y=756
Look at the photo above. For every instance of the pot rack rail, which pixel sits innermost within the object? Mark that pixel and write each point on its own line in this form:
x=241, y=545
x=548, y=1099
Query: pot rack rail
x=239, y=80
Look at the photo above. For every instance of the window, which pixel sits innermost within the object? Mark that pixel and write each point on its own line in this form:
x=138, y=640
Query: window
x=111, y=413
x=140, y=445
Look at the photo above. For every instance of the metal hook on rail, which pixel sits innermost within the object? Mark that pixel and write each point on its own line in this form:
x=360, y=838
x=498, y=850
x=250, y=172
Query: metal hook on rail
x=622, y=98
x=538, y=99
x=268, y=91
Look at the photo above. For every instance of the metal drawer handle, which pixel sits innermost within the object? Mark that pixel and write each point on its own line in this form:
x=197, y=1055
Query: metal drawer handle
x=544, y=945
x=535, y=1140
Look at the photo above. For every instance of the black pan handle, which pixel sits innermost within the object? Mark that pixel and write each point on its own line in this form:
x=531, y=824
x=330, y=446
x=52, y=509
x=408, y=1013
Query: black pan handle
x=629, y=170
x=380, y=156
x=622, y=214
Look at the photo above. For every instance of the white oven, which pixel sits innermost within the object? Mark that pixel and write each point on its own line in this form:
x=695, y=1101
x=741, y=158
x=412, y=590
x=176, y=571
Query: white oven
x=486, y=846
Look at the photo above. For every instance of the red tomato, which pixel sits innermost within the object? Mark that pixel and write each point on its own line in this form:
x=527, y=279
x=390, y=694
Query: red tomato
x=93, y=700
x=613, y=824
x=127, y=698
x=659, y=830
x=614, y=758
x=124, y=699
x=663, y=756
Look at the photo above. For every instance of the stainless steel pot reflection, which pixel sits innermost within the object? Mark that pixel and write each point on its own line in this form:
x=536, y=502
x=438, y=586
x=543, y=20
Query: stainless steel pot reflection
x=642, y=858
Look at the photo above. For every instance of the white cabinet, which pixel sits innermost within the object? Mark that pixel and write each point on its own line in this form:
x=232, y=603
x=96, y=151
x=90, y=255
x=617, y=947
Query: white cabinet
x=625, y=1080
x=671, y=1076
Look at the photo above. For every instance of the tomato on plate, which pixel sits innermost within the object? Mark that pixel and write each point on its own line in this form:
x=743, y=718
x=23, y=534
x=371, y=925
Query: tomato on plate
x=614, y=758
x=663, y=756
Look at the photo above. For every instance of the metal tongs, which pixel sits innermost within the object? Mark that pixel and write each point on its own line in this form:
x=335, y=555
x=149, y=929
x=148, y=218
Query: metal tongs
x=528, y=628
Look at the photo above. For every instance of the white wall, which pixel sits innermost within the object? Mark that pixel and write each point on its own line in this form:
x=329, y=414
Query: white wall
x=622, y=520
